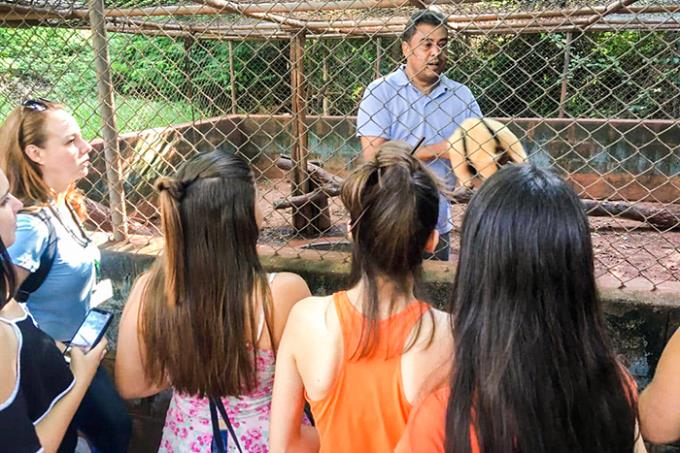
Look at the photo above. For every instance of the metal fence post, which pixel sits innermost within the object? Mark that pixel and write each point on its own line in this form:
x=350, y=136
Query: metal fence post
x=232, y=79
x=565, y=76
x=110, y=133
x=300, y=185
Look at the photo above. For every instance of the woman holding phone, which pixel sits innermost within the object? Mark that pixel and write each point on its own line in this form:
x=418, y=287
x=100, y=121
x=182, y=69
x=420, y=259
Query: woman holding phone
x=206, y=320
x=43, y=155
x=39, y=393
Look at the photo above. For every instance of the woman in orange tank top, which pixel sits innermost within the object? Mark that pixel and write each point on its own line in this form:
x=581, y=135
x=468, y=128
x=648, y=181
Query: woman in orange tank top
x=361, y=356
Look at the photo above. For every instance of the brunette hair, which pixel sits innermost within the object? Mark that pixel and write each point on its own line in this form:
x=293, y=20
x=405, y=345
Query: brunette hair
x=198, y=324
x=26, y=126
x=393, y=204
x=534, y=369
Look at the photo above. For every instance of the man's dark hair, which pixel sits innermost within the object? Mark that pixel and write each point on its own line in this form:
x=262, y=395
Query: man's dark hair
x=423, y=16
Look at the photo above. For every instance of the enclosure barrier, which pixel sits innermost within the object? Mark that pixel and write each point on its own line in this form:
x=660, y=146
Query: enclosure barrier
x=591, y=89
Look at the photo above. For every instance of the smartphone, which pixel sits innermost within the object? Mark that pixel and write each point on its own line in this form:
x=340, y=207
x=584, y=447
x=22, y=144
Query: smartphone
x=91, y=330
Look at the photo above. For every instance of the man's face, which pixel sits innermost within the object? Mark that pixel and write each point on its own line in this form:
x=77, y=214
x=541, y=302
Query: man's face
x=426, y=53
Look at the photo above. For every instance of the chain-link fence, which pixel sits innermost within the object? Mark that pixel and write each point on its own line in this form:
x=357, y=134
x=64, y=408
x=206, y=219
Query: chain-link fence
x=591, y=88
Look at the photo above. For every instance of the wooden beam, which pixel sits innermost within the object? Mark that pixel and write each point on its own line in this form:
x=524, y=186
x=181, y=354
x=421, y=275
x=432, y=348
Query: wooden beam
x=239, y=8
x=273, y=7
x=302, y=217
x=610, y=9
x=107, y=107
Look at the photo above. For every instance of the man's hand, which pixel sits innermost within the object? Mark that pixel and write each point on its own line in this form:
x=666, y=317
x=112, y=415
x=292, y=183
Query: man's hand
x=370, y=145
x=435, y=151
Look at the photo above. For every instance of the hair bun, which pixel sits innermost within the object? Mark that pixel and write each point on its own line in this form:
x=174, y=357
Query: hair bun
x=170, y=185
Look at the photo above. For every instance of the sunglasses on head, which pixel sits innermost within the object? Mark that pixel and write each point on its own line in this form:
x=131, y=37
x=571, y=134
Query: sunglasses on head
x=36, y=105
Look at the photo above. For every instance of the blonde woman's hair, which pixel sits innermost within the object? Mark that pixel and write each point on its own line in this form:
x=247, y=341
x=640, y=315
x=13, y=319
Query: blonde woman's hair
x=23, y=127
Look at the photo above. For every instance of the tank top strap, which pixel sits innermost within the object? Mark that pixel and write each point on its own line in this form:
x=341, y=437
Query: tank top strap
x=394, y=331
x=400, y=324
x=343, y=308
x=260, y=325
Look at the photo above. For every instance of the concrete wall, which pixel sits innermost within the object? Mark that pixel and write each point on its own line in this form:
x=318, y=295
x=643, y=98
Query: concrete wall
x=615, y=159
x=640, y=323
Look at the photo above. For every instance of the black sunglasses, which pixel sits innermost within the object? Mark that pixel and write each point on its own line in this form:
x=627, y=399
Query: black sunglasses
x=36, y=105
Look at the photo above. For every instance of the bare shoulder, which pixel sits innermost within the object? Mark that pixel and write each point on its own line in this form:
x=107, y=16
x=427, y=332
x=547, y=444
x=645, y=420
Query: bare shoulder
x=134, y=299
x=311, y=312
x=435, y=329
x=288, y=281
x=287, y=289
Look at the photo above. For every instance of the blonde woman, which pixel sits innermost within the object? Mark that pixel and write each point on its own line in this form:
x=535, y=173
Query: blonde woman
x=44, y=154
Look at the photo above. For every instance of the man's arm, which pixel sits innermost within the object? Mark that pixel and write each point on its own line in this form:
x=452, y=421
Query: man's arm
x=435, y=151
x=370, y=145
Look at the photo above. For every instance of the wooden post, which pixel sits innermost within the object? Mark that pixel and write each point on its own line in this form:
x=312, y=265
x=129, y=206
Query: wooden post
x=232, y=78
x=378, y=56
x=114, y=174
x=565, y=76
x=310, y=219
x=302, y=217
x=324, y=76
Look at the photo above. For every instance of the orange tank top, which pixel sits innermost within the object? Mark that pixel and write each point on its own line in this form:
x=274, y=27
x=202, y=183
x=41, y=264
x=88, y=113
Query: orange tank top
x=365, y=409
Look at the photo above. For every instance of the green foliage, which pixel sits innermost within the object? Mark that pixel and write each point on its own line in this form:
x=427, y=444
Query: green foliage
x=58, y=64
x=161, y=81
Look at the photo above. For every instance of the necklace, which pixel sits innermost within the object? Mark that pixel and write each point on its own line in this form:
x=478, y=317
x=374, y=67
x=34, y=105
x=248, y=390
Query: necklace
x=83, y=239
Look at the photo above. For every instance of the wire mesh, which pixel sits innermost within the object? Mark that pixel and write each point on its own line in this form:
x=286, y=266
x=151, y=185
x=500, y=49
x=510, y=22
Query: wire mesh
x=591, y=89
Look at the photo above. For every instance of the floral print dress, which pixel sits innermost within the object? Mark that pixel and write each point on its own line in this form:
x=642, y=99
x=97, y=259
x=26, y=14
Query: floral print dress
x=188, y=426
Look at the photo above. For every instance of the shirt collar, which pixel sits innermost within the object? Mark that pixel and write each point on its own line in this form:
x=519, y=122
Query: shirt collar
x=401, y=79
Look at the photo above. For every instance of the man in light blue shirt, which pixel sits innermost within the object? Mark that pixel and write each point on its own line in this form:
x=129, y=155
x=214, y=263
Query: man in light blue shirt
x=417, y=101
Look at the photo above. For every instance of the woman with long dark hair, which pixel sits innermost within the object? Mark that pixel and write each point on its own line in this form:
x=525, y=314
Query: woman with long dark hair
x=533, y=369
x=39, y=392
x=362, y=355
x=206, y=320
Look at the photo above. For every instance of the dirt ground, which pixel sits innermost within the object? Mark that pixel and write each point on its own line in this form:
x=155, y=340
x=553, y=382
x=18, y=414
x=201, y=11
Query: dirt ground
x=624, y=250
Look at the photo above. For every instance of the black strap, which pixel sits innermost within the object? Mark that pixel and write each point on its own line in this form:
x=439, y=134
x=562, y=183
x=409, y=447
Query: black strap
x=33, y=281
x=216, y=405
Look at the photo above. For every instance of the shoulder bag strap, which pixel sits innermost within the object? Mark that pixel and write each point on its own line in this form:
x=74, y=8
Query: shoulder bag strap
x=33, y=281
x=216, y=405
x=217, y=436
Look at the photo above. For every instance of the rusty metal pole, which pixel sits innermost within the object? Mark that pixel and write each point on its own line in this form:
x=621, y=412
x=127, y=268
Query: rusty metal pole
x=114, y=174
x=324, y=96
x=565, y=76
x=378, y=57
x=232, y=78
x=304, y=216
